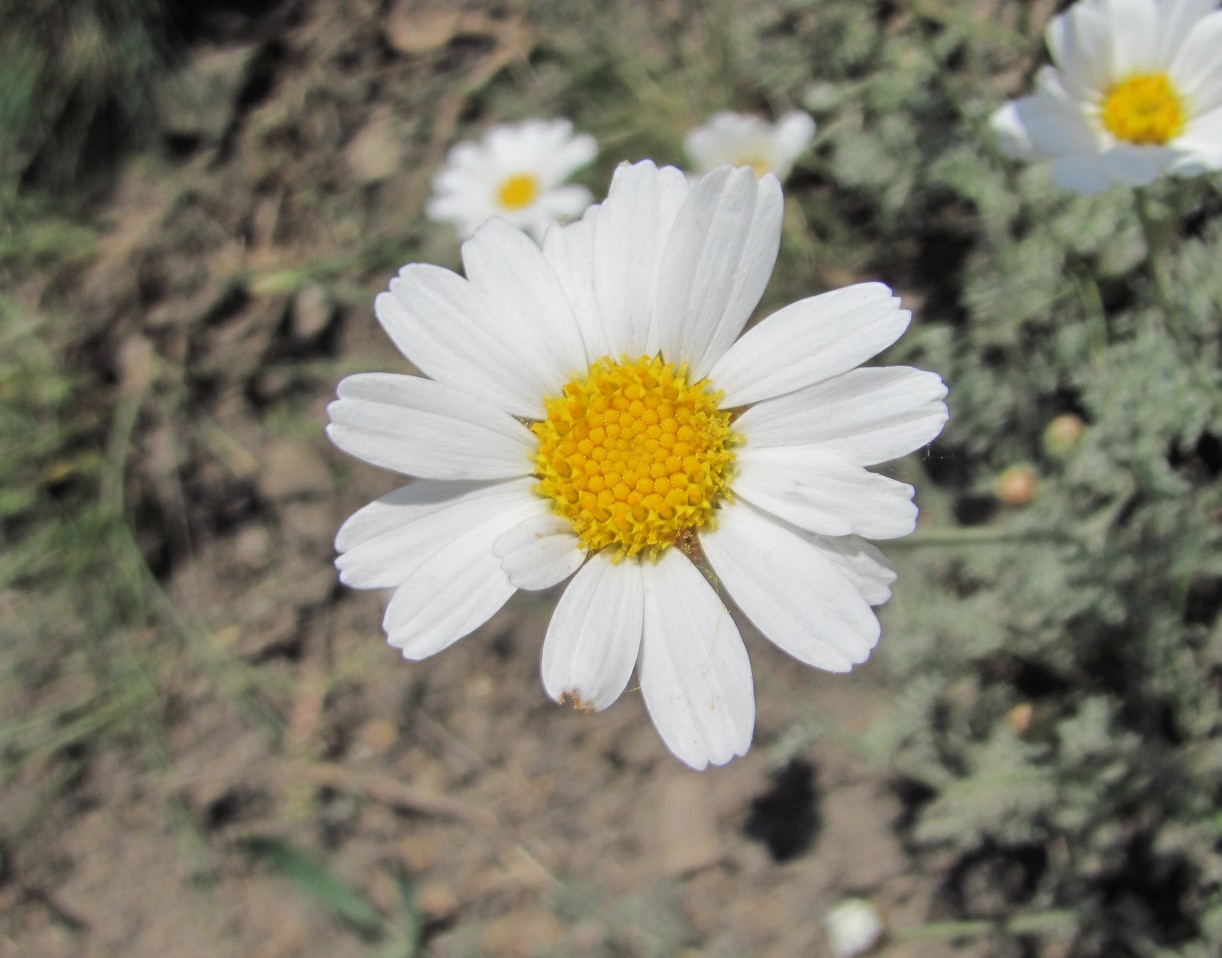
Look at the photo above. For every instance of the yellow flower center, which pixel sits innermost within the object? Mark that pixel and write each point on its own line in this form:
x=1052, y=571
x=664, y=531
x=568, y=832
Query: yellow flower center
x=518, y=191
x=633, y=455
x=1144, y=109
x=759, y=166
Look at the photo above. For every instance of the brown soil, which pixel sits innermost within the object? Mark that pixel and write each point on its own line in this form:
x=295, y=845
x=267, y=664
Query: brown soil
x=233, y=290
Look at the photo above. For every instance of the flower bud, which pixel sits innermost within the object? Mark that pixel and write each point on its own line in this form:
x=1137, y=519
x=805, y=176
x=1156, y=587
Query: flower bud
x=1016, y=486
x=1063, y=434
x=853, y=927
x=1019, y=718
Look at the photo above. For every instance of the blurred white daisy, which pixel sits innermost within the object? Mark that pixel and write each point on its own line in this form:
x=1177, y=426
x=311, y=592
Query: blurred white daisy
x=1136, y=92
x=594, y=413
x=743, y=140
x=517, y=172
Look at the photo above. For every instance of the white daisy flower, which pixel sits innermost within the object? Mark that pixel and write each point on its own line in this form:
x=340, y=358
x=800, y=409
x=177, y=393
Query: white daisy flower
x=517, y=172
x=743, y=140
x=1136, y=92
x=593, y=412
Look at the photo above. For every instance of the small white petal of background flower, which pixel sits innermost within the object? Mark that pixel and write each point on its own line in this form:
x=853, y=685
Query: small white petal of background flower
x=744, y=140
x=595, y=411
x=1136, y=91
x=518, y=172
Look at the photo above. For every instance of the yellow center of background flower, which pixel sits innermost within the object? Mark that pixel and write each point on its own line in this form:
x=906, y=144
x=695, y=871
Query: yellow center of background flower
x=518, y=191
x=1144, y=109
x=759, y=166
x=633, y=455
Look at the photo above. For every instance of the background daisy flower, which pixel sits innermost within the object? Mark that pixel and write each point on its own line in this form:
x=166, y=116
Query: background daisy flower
x=517, y=172
x=1136, y=92
x=593, y=412
x=743, y=140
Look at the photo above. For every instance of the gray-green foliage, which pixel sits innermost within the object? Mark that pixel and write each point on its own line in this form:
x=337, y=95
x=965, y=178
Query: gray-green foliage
x=1059, y=663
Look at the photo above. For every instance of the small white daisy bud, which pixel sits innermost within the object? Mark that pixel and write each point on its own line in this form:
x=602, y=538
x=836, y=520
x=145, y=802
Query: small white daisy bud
x=853, y=927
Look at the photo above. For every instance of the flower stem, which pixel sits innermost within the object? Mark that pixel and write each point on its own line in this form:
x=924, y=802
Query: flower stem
x=1046, y=921
x=1156, y=234
x=981, y=537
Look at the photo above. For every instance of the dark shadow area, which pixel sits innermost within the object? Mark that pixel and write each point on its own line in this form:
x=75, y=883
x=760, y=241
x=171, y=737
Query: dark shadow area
x=786, y=817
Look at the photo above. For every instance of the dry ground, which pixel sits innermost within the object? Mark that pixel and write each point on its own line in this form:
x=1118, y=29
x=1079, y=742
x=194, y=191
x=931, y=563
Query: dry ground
x=233, y=287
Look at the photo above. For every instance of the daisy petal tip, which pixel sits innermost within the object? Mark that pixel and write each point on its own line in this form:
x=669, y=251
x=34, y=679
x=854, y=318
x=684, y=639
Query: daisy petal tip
x=385, y=301
x=700, y=758
x=631, y=167
x=1009, y=131
x=768, y=191
x=576, y=699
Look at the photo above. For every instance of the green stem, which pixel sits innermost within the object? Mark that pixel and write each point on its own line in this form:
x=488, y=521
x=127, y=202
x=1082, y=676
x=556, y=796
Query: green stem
x=1096, y=317
x=982, y=536
x=1046, y=921
x=1155, y=235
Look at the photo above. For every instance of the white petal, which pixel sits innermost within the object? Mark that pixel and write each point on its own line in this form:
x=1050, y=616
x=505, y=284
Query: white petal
x=723, y=139
x=455, y=591
x=1010, y=127
x=793, y=134
x=823, y=492
x=595, y=633
x=861, y=562
x=1080, y=174
x=1199, y=149
x=539, y=551
x=1176, y=19
x=1136, y=165
x=519, y=147
x=1042, y=127
x=510, y=268
x=1134, y=34
x=1080, y=43
x=867, y=415
x=562, y=203
x=629, y=238
x=422, y=428
x=457, y=208
x=383, y=542
x=570, y=251
x=695, y=674
x=717, y=262
x=809, y=341
x=461, y=336
x=1197, y=68
x=793, y=592
x=568, y=157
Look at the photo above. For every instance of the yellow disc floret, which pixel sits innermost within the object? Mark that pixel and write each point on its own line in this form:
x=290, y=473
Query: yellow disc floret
x=518, y=191
x=759, y=166
x=1144, y=109
x=633, y=455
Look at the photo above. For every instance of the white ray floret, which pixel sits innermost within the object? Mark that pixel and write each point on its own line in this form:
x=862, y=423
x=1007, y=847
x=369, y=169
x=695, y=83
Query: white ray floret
x=594, y=410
